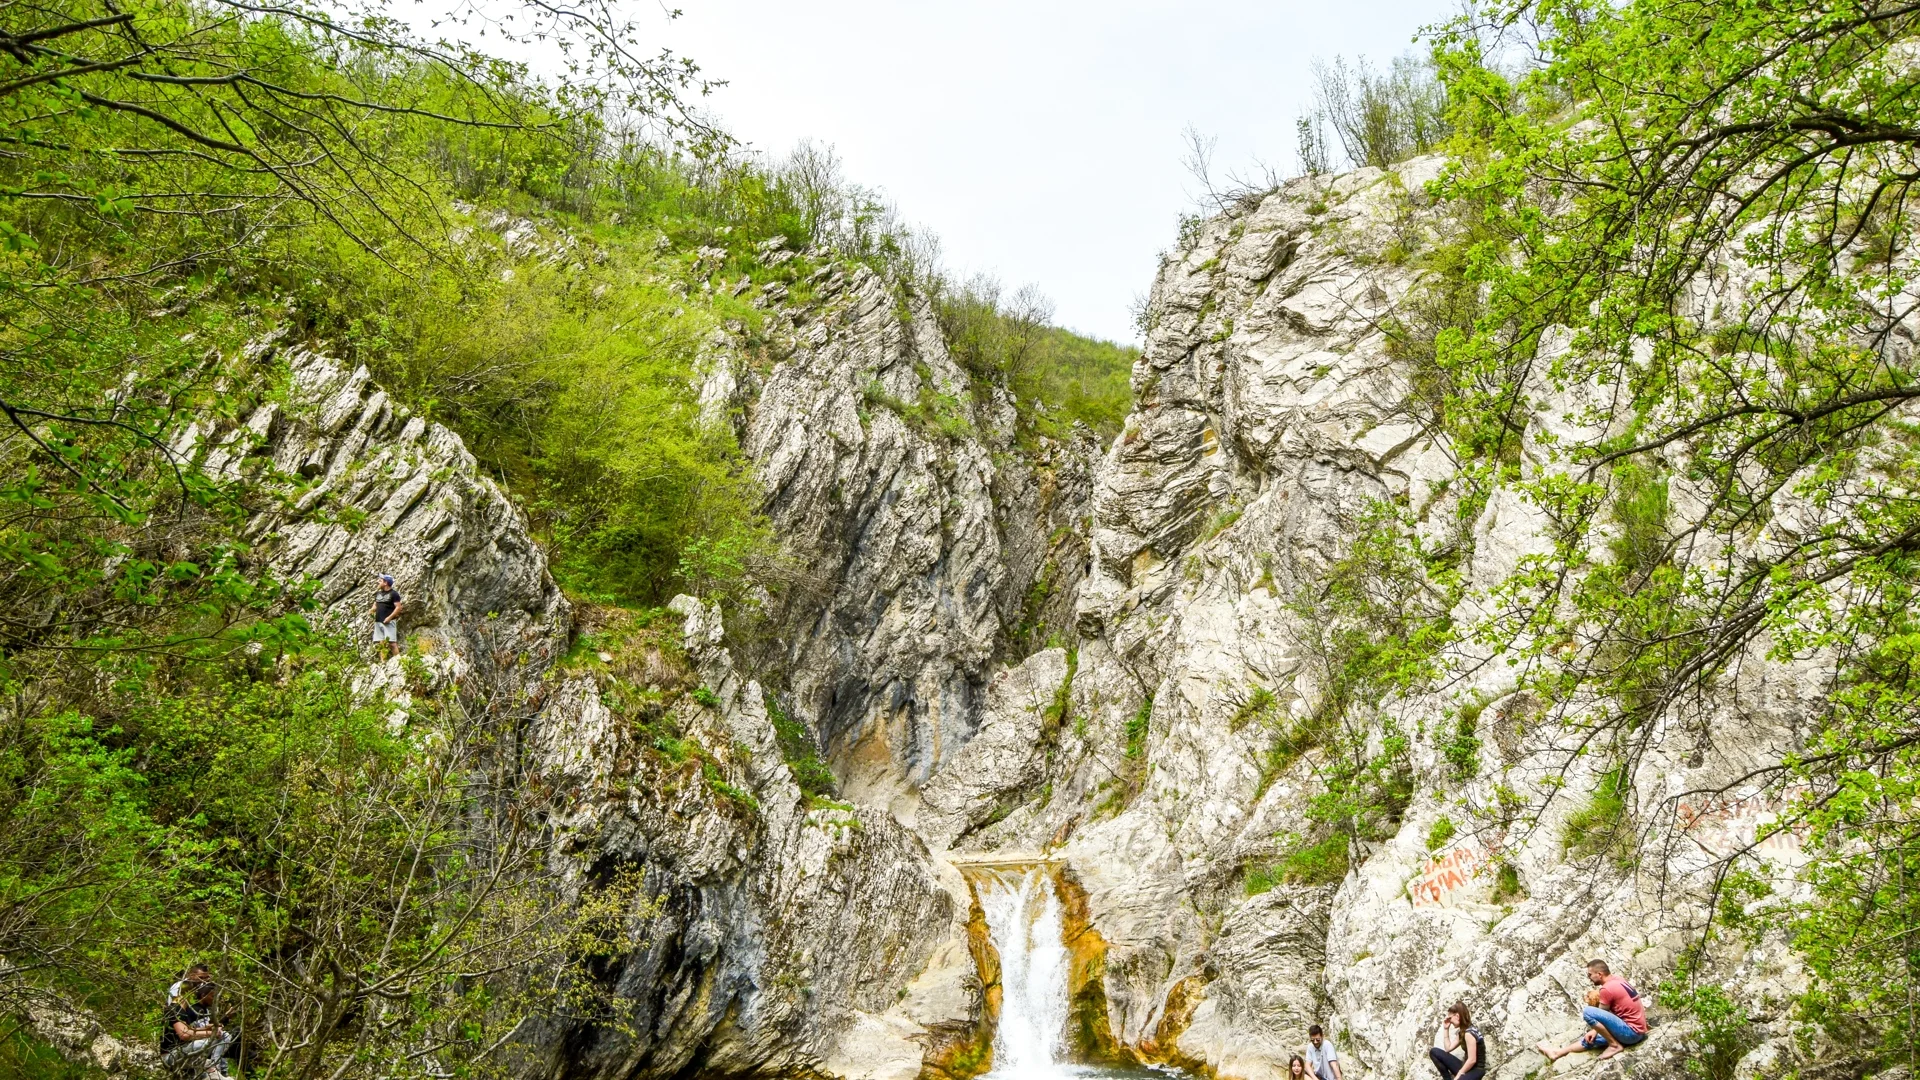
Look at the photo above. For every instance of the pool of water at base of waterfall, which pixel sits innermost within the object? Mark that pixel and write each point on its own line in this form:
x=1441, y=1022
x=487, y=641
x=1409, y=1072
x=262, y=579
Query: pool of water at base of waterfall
x=1070, y=1071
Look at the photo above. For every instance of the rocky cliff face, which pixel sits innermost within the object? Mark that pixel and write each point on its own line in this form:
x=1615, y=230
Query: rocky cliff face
x=1271, y=420
x=360, y=486
x=919, y=531
x=772, y=927
x=807, y=937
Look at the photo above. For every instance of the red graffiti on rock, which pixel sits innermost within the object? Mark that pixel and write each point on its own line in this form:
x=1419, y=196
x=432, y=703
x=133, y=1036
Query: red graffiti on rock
x=1725, y=825
x=1445, y=874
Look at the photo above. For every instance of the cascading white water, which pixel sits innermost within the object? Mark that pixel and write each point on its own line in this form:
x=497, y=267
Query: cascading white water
x=1023, y=918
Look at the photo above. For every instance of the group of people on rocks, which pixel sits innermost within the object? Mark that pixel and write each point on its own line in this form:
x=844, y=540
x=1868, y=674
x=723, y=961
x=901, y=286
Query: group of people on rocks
x=1616, y=1019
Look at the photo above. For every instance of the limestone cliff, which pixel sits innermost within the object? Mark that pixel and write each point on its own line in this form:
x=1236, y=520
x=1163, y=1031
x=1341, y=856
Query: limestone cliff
x=919, y=529
x=1271, y=418
x=790, y=936
x=1271, y=415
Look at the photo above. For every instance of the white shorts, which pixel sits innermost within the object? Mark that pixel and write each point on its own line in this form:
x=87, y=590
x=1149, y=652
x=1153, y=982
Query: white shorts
x=386, y=631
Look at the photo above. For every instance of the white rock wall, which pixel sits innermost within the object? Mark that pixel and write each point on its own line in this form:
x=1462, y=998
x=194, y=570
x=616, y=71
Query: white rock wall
x=1270, y=415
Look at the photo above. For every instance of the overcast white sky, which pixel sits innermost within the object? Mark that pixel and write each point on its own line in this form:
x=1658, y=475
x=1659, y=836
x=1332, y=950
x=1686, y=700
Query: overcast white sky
x=1039, y=139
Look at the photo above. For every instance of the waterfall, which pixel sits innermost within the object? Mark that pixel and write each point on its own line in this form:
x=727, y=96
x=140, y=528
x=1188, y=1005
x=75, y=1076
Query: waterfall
x=1023, y=919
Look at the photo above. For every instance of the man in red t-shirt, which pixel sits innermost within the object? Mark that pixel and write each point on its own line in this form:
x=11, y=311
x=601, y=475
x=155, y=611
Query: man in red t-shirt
x=1616, y=1019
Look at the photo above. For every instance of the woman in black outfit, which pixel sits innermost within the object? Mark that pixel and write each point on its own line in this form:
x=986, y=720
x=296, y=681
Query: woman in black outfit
x=1464, y=1037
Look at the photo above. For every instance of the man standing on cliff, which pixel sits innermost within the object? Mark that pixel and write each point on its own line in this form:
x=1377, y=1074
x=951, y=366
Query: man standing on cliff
x=1321, y=1056
x=387, y=603
x=1616, y=1023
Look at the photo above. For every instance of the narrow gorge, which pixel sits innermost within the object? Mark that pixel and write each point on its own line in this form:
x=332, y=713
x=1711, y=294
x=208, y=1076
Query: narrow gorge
x=785, y=690
x=1067, y=855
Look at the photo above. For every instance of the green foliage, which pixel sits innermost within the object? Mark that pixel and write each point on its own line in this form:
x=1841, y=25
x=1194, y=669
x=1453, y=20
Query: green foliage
x=1032, y=633
x=705, y=697
x=1257, y=705
x=1721, y=1036
x=1136, y=731
x=1441, y=834
x=1507, y=888
x=801, y=754
x=1123, y=786
x=1381, y=117
x=1461, y=751
x=1375, y=624
x=595, y=421
x=1322, y=862
x=186, y=771
x=1221, y=520
x=1640, y=512
x=1259, y=879
x=1291, y=740
x=1659, y=146
x=718, y=784
x=260, y=823
x=22, y=1054
x=1058, y=711
x=1601, y=825
x=931, y=412
x=1057, y=377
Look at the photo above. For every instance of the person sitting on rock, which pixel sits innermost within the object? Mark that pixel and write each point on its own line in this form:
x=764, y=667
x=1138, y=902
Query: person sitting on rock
x=191, y=1044
x=1461, y=1035
x=1321, y=1056
x=1616, y=1022
x=1296, y=1068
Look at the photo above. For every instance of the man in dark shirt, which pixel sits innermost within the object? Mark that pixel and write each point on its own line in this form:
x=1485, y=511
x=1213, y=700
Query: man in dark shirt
x=191, y=1044
x=387, y=603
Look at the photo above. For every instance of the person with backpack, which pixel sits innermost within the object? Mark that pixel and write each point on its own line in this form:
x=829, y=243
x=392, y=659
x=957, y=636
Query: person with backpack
x=1615, y=1023
x=1460, y=1034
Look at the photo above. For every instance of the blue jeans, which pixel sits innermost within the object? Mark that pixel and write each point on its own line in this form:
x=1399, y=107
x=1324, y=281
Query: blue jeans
x=1616, y=1029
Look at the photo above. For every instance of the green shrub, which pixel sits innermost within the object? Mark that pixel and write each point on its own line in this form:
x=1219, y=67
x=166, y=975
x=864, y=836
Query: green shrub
x=1440, y=834
x=1382, y=118
x=1256, y=706
x=719, y=786
x=1058, y=711
x=1321, y=862
x=1506, y=884
x=1462, y=751
x=802, y=755
x=1600, y=826
x=1136, y=731
x=1291, y=740
x=1122, y=787
x=1720, y=1037
x=1640, y=509
x=1056, y=377
x=1260, y=879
